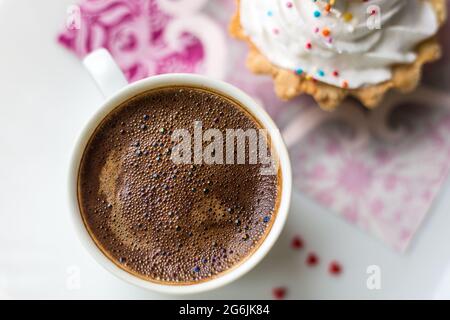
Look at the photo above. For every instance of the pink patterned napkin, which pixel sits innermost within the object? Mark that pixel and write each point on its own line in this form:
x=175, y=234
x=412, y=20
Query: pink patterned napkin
x=379, y=170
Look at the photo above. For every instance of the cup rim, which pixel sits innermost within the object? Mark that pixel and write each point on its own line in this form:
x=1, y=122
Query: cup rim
x=201, y=82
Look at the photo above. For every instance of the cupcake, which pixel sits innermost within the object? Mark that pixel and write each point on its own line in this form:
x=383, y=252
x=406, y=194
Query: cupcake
x=338, y=48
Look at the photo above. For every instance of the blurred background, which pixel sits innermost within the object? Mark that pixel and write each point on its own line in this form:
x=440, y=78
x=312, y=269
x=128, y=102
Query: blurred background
x=369, y=217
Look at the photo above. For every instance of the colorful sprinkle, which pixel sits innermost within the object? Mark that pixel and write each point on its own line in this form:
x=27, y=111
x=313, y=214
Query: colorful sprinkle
x=344, y=84
x=347, y=16
x=335, y=268
x=312, y=259
x=297, y=243
x=279, y=293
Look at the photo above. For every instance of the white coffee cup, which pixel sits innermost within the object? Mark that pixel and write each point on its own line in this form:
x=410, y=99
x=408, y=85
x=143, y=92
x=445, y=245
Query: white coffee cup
x=113, y=85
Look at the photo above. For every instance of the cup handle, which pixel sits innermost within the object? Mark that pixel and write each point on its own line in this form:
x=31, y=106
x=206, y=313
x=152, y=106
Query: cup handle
x=105, y=72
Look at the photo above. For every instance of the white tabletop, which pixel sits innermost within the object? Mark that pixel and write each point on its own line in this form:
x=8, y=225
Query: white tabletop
x=47, y=96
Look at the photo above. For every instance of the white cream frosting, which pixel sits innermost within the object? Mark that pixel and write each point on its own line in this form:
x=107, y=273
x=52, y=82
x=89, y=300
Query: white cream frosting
x=291, y=35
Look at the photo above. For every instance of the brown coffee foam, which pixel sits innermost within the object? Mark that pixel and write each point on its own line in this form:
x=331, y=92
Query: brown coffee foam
x=158, y=227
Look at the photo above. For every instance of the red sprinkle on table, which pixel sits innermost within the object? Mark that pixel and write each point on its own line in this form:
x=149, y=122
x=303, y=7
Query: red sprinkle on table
x=312, y=259
x=297, y=243
x=279, y=293
x=335, y=268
